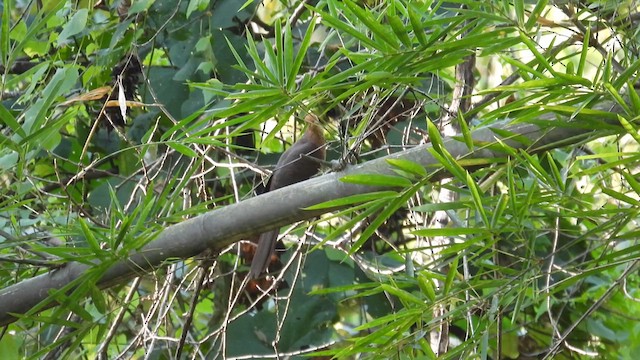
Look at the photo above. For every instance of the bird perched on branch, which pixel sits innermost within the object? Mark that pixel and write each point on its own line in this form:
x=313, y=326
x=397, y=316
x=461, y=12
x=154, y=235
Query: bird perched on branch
x=300, y=162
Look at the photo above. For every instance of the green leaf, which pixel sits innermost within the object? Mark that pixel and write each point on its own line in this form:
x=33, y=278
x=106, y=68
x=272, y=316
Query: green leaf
x=301, y=54
x=510, y=135
x=380, y=31
x=366, y=209
x=416, y=25
x=9, y=144
x=584, y=53
x=8, y=160
x=571, y=79
x=338, y=24
x=183, y=149
x=499, y=209
x=123, y=230
x=353, y=199
x=536, y=13
x=614, y=93
x=621, y=197
x=533, y=47
x=570, y=110
x=434, y=136
x=8, y=119
x=634, y=98
x=466, y=133
x=525, y=69
x=449, y=232
x=140, y=6
x=531, y=84
x=631, y=180
x=74, y=26
x=432, y=207
x=386, y=212
x=477, y=199
x=519, y=9
x=5, y=40
x=261, y=68
x=89, y=236
x=98, y=299
x=279, y=57
x=196, y=5
x=399, y=30
x=36, y=24
x=555, y=172
x=404, y=296
x=426, y=286
x=629, y=73
x=377, y=180
x=144, y=212
x=451, y=275
x=61, y=82
x=408, y=166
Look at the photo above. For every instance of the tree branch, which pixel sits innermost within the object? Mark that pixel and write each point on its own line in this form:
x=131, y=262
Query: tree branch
x=222, y=227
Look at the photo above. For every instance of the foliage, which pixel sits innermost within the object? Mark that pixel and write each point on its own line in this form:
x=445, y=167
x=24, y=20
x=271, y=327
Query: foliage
x=122, y=118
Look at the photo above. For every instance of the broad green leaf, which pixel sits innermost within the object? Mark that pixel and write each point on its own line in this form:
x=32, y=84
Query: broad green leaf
x=338, y=24
x=61, y=82
x=74, y=26
x=8, y=159
x=196, y=5
x=51, y=9
x=140, y=6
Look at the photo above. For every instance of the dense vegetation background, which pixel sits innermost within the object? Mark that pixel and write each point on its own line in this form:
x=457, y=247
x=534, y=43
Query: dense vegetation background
x=120, y=120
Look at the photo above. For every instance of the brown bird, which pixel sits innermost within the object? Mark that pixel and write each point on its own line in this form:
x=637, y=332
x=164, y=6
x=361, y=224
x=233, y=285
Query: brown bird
x=295, y=165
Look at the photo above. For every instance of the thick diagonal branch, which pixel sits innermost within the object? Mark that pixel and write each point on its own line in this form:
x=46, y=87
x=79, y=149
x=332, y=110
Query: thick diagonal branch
x=221, y=227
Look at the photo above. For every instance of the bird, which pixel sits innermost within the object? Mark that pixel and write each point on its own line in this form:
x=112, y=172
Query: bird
x=298, y=163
